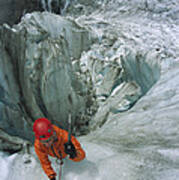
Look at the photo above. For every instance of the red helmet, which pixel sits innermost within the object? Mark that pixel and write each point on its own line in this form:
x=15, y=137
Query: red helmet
x=43, y=129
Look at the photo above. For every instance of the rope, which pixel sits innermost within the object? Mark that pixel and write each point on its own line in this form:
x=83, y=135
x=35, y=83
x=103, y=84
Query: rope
x=60, y=171
x=61, y=161
x=61, y=164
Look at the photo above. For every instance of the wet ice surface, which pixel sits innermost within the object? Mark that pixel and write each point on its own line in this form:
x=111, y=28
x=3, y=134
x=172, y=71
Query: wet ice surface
x=102, y=163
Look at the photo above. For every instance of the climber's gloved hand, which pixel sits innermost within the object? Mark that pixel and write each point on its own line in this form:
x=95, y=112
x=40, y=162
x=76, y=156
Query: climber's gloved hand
x=53, y=178
x=70, y=149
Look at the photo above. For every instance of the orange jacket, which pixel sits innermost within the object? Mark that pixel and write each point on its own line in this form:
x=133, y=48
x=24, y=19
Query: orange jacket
x=43, y=152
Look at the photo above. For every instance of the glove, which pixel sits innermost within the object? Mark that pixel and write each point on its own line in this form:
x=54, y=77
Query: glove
x=53, y=178
x=70, y=149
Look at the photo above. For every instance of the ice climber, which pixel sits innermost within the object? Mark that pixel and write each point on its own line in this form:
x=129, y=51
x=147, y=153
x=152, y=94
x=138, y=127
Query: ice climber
x=52, y=140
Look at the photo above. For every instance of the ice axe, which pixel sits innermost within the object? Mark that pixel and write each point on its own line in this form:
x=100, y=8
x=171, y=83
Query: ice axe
x=69, y=128
x=69, y=119
x=69, y=123
x=69, y=145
